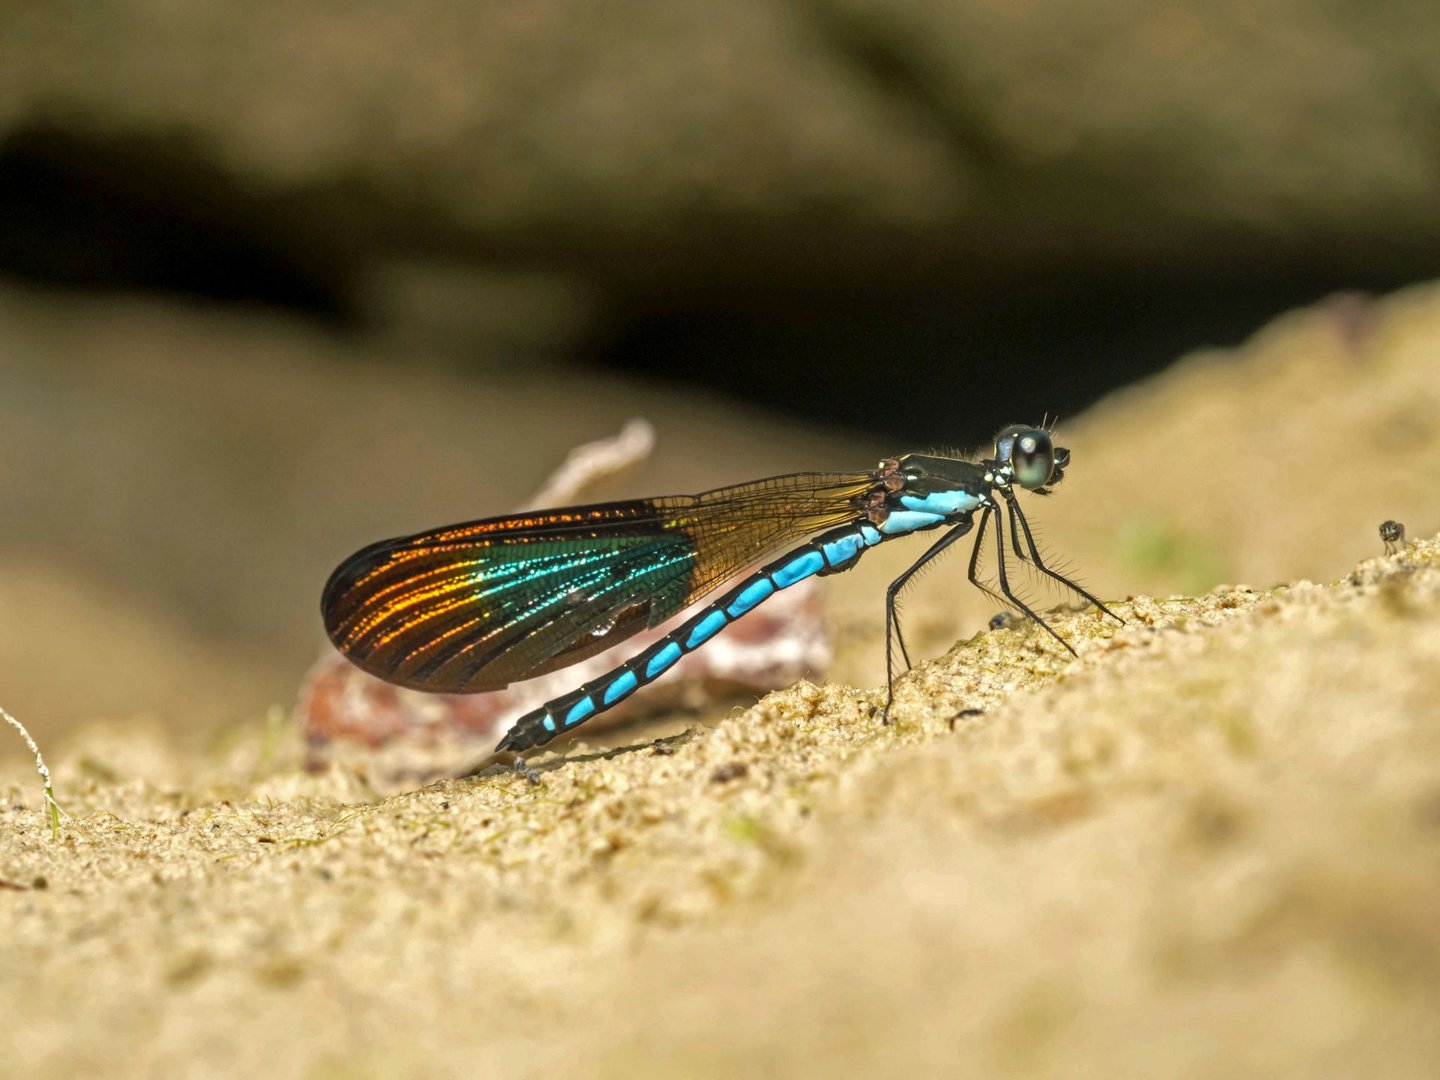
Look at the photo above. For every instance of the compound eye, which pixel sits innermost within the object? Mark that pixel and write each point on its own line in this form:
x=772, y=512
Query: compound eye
x=1005, y=441
x=1033, y=456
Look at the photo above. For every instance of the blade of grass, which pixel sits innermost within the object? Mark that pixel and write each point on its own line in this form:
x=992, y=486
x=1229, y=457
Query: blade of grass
x=44, y=771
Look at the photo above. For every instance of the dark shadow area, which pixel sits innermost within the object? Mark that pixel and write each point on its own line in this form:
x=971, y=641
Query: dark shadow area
x=930, y=340
x=947, y=364
x=141, y=213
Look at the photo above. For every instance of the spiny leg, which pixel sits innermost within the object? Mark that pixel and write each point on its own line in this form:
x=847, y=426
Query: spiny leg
x=1014, y=539
x=1015, y=512
x=975, y=561
x=892, y=618
x=1010, y=595
x=892, y=614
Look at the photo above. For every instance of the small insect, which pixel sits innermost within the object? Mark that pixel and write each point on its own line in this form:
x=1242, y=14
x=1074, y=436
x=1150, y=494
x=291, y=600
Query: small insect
x=1393, y=534
x=476, y=606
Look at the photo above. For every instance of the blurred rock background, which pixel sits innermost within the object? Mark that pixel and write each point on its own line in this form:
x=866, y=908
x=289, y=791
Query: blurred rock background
x=277, y=280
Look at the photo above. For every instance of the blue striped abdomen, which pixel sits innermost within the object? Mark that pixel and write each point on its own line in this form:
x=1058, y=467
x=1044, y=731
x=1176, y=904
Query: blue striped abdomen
x=829, y=553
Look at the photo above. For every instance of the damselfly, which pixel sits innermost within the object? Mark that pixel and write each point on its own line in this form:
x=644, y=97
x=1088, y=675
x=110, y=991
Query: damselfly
x=474, y=607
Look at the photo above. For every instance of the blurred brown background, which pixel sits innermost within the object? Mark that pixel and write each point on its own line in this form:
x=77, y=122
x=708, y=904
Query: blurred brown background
x=277, y=280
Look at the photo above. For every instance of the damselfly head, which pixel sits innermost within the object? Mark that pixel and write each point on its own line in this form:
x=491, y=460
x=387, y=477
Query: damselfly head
x=1033, y=457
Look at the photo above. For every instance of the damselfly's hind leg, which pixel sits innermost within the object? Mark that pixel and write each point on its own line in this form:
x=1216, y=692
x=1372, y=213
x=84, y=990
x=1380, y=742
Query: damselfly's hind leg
x=893, y=635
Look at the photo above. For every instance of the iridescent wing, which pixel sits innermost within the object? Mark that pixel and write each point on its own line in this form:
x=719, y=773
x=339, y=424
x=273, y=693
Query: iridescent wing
x=477, y=606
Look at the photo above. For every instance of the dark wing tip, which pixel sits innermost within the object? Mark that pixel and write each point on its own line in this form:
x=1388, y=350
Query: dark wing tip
x=341, y=600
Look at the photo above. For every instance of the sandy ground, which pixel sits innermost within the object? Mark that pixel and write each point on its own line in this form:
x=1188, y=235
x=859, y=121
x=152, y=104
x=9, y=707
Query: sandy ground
x=1210, y=846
